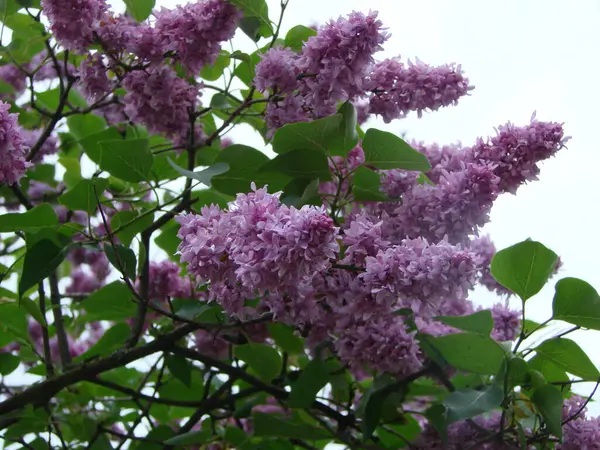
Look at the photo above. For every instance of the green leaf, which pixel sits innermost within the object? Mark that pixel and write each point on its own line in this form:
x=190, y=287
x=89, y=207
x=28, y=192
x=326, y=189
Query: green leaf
x=72, y=171
x=8, y=363
x=321, y=135
x=91, y=143
x=244, y=164
x=437, y=416
x=366, y=186
x=190, y=438
x=158, y=434
x=112, y=302
x=567, y=355
x=140, y=10
x=256, y=23
x=132, y=224
x=51, y=99
x=311, y=380
x=400, y=435
x=480, y=322
x=301, y=163
x=112, y=340
x=261, y=358
x=300, y=192
x=468, y=403
x=32, y=308
x=40, y=261
x=385, y=150
x=204, y=176
x=13, y=324
x=84, y=125
x=270, y=425
x=180, y=368
x=517, y=372
x=286, y=339
x=214, y=71
x=122, y=258
x=348, y=129
x=471, y=352
x=41, y=216
x=577, y=302
x=524, y=268
x=83, y=197
x=530, y=325
x=176, y=390
x=297, y=36
x=551, y=372
x=549, y=402
x=129, y=160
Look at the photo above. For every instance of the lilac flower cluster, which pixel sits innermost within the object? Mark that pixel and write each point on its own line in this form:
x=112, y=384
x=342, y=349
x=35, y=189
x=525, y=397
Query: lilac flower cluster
x=257, y=245
x=161, y=100
x=14, y=77
x=195, y=31
x=13, y=151
x=165, y=281
x=398, y=89
x=93, y=77
x=420, y=274
x=73, y=22
x=49, y=146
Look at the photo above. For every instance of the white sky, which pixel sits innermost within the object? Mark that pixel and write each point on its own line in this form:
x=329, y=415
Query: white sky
x=521, y=56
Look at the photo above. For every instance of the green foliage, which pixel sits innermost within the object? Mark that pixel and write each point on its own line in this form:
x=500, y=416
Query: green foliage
x=468, y=403
x=41, y=260
x=480, y=322
x=567, y=355
x=255, y=23
x=576, y=302
x=297, y=36
x=122, y=258
x=83, y=197
x=129, y=160
x=524, y=268
x=264, y=360
x=311, y=380
x=140, y=10
x=112, y=302
x=385, y=150
x=37, y=218
x=549, y=402
x=270, y=425
x=127, y=224
x=366, y=186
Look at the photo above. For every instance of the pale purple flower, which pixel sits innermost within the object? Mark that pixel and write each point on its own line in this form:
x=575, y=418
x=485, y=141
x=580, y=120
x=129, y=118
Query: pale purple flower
x=43, y=67
x=454, y=208
x=398, y=89
x=515, y=151
x=280, y=112
x=485, y=250
x=118, y=33
x=363, y=238
x=395, y=182
x=159, y=99
x=211, y=344
x=195, y=31
x=13, y=76
x=73, y=22
x=13, y=151
x=83, y=282
x=507, y=323
x=277, y=71
x=49, y=146
x=573, y=408
x=382, y=344
x=421, y=275
x=37, y=191
x=581, y=434
x=93, y=77
x=165, y=281
x=336, y=61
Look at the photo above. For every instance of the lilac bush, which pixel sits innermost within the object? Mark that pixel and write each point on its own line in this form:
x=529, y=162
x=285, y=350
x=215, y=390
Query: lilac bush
x=171, y=288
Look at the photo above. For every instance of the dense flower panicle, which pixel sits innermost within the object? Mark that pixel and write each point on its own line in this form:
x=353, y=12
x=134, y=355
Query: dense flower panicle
x=445, y=158
x=581, y=435
x=382, y=344
x=258, y=243
x=516, y=151
x=166, y=282
x=211, y=344
x=161, y=100
x=399, y=89
x=277, y=71
x=49, y=146
x=13, y=151
x=485, y=250
x=420, y=275
x=454, y=208
x=363, y=238
x=337, y=60
x=145, y=42
x=38, y=190
x=573, y=408
x=93, y=77
x=395, y=182
x=118, y=33
x=83, y=282
x=73, y=22
x=288, y=110
x=13, y=76
x=195, y=30
x=113, y=112
x=507, y=323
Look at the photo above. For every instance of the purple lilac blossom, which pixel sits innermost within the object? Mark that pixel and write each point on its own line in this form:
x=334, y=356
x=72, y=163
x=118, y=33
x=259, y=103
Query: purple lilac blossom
x=195, y=31
x=13, y=76
x=337, y=60
x=93, y=77
x=421, y=275
x=49, y=147
x=515, y=151
x=161, y=100
x=73, y=22
x=485, y=250
x=277, y=71
x=13, y=151
x=398, y=89
x=507, y=323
